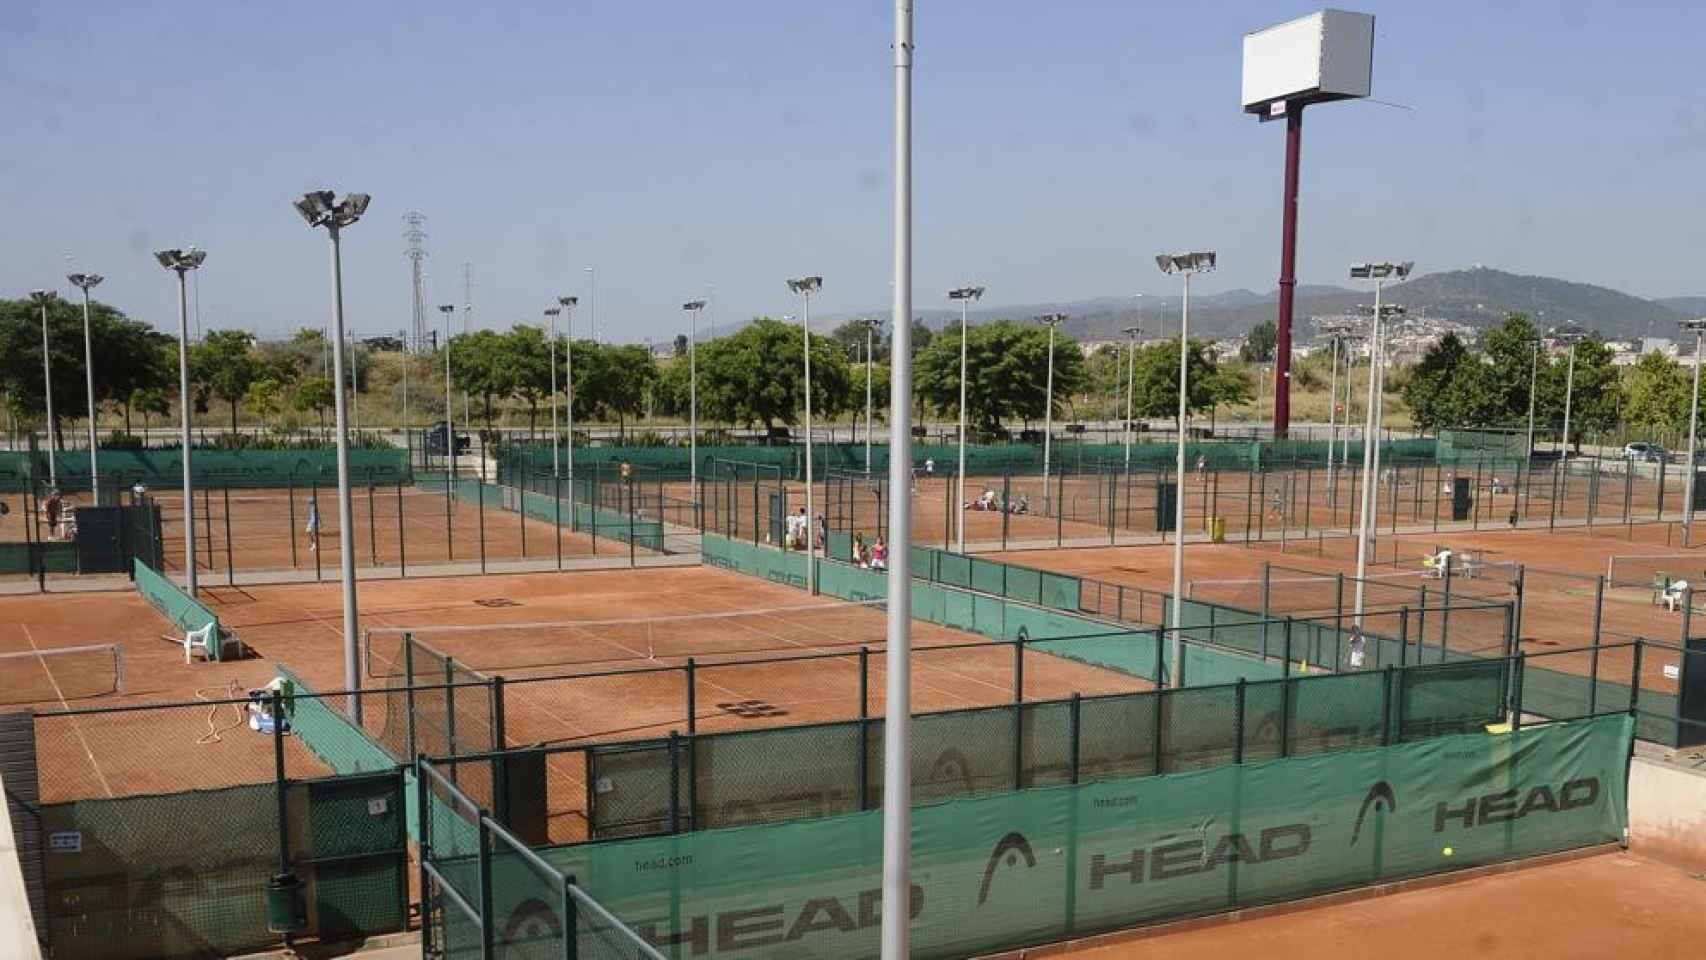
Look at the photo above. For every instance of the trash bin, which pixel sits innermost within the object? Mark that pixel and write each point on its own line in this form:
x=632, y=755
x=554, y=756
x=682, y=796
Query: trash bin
x=287, y=906
x=1217, y=529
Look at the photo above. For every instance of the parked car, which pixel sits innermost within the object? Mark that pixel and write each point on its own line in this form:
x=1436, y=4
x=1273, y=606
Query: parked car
x=435, y=439
x=1645, y=452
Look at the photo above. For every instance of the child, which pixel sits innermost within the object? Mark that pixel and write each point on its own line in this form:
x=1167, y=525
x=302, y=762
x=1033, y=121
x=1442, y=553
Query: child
x=859, y=557
x=879, y=555
x=313, y=527
x=1358, y=647
x=54, y=505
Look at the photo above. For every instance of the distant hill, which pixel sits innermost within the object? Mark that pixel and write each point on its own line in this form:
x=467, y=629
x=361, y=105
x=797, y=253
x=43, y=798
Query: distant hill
x=1479, y=297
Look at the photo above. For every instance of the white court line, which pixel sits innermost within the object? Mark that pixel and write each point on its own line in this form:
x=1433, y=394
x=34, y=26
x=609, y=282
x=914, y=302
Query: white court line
x=75, y=726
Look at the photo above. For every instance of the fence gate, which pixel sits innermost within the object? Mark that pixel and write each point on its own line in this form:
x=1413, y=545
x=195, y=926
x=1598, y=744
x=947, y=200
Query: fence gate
x=100, y=547
x=352, y=855
x=23, y=807
x=628, y=789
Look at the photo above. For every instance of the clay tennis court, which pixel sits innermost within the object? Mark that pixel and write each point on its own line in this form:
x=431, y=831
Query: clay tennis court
x=1583, y=908
x=299, y=625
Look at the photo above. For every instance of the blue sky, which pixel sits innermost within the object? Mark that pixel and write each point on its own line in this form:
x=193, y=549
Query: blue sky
x=690, y=148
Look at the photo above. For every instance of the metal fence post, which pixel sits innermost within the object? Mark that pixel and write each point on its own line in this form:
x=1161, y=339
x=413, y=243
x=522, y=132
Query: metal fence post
x=1074, y=726
x=449, y=522
x=488, y=923
x=450, y=713
x=557, y=514
x=1635, y=679
x=314, y=502
x=280, y=781
x=692, y=672
x=424, y=849
x=230, y=568
x=1404, y=634
x=480, y=501
x=402, y=538
x=500, y=784
x=408, y=686
x=290, y=531
x=1238, y=722
x=1386, y=705
x=571, y=921
x=1516, y=694
x=1019, y=668
x=674, y=782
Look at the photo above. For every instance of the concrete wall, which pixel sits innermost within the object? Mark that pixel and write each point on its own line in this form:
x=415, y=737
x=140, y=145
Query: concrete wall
x=1667, y=812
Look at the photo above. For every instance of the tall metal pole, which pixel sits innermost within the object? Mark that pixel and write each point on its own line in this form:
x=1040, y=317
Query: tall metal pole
x=693, y=404
x=1332, y=415
x=870, y=335
x=1693, y=418
x=811, y=513
x=449, y=311
x=592, y=301
x=1569, y=390
x=556, y=456
x=897, y=728
x=86, y=281
x=1130, y=382
x=960, y=473
x=1048, y=414
x=346, y=529
x=42, y=297
x=1533, y=376
x=1288, y=273
x=569, y=390
x=1371, y=425
x=1177, y=639
x=184, y=430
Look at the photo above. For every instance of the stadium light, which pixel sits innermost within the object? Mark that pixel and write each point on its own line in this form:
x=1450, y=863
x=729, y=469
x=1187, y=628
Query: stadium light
x=182, y=262
x=965, y=295
x=1379, y=273
x=87, y=282
x=1533, y=381
x=1698, y=328
x=1130, y=382
x=449, y=311
x=319, y=208
x=42, y=299
x=805, y=287
x=694, y=308
x=1186, y=265
x=1337, y=333
x=1572, y=336
x=568, y=304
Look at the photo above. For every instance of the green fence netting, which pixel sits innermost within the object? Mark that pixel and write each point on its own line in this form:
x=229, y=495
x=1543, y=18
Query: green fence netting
x=214, y=468
x=1015, y=868
x=184, y=611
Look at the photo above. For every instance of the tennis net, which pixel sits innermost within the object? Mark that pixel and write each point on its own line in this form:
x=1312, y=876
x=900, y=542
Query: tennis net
x=1644, y=569
x=61, y=673
x=495, y=647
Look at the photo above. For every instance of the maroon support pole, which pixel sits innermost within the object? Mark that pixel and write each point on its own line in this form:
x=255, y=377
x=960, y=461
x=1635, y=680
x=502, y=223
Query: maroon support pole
x=1288, y=273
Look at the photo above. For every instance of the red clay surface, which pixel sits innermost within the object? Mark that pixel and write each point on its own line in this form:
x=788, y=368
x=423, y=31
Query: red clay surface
x=1613, y=905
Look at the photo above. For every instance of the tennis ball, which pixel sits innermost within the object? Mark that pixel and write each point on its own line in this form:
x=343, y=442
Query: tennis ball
x=1447, y=851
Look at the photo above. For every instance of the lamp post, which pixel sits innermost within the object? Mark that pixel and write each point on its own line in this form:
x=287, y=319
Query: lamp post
x=568, y=305
x=1571, y=337
x=1533, y=380
x=1130, y=383
x=1698, y=327
x=87, y=282
x=1184, y=264
x=805, y=287
x=1050, y=320
x=449, y=311
x=1379, y=273
x=320, y=208
x=1335, y=335
x=592, y=301
x=551, y=314
x=182, y=262
x=42, y=299
x=965, y=295
x=872, y=325
x=694, y=308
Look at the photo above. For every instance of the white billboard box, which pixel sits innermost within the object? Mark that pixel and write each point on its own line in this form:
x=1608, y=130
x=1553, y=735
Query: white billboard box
x=1315, y=59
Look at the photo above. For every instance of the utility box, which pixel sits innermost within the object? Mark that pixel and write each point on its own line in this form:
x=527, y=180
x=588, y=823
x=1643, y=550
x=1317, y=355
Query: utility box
x=1166, y=500
x=1461, y=501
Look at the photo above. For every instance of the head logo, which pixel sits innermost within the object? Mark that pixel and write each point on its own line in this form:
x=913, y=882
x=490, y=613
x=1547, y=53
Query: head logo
x=1380, y=793
x=1011, y=847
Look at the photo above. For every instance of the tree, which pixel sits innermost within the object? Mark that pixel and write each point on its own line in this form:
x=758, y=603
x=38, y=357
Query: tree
x=1510, y=350
x=1155, y=384
x=480, y=364
x=1259, y=343
x=150, y=402
x=528, y=354
x=757, y=374
x=315, y=395
x=616, y=379
x=223, y=364
x=1007, y=370
x=1227, y=387
x=1427, y=392
x=127, y=356
x=1594, y=399
x=1658, y=391
x=262, y=398
x=681, y=344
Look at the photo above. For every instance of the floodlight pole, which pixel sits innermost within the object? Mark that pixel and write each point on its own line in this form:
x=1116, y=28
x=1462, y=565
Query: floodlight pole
x=1533, y=377
x=693, y=308
x=870, y=337
x=449, y=311
x=1370, y=452
x=1699, y=328
x=1050, y=320
x=1332, y=414
x=551, y=348
x=1569, y=391
x=965, y=295
x=1288, y=272
x=182, y=262
x=42, y=297
x=805, y=287
x=87, y=281
x=897, y=730
x=568, y=305
x=1130, y=383
x=1179, y=489
x=346, y=530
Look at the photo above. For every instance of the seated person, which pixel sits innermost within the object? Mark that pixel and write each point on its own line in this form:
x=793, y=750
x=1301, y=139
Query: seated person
x=1674, y=593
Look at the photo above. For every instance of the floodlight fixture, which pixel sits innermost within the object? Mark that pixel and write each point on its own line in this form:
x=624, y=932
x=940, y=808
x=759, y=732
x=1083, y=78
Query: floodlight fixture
x=966, y=293
x=553, y=311
x=1052, y=319
x=447, y=308
x=568, y=301
x=320, y=208
x=42, y=296
x=1693, y=326
x=1132, y=332
x=188, y=258
x=806, y=285
x=86, y=281
x=693, y=305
